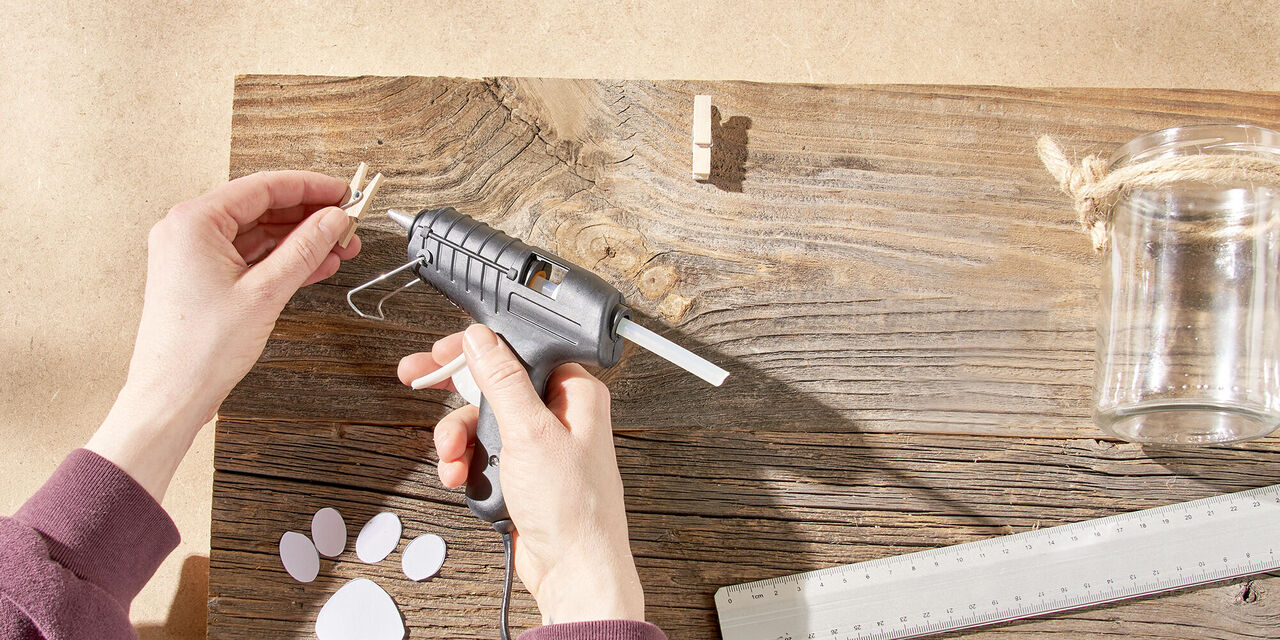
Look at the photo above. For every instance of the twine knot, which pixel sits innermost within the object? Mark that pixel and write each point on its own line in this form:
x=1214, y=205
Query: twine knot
x=1092, y=188
x=1082, y=184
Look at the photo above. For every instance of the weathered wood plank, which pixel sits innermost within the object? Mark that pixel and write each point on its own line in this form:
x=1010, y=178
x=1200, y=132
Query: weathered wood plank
x=706, y=509
x=896, y=255
x=899, y=291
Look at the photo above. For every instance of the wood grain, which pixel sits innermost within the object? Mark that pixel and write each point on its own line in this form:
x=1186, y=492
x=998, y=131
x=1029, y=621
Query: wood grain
x=901, y=294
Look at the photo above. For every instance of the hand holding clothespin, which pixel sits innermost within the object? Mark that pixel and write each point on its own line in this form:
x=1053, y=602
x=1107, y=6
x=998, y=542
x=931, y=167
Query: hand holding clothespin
x=359, y=202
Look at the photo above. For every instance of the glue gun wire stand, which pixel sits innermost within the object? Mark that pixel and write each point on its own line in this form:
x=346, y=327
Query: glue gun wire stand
x=547, y=309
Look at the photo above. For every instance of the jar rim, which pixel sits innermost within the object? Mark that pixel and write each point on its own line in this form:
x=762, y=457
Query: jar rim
x=1234, y=139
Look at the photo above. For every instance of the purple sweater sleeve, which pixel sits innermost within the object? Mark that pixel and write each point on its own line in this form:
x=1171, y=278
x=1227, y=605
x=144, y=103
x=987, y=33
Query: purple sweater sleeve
x=74, y=556
x=597, y=630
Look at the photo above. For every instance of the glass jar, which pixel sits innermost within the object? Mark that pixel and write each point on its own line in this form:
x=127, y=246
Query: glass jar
x=1189, y=320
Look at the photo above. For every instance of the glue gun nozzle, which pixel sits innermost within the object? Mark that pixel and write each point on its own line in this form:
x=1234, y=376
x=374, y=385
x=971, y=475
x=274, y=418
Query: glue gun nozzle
x=405, y=220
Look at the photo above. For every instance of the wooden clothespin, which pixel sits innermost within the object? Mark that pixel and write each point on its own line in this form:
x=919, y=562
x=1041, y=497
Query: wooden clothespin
x=701, y=137
x=359, y=202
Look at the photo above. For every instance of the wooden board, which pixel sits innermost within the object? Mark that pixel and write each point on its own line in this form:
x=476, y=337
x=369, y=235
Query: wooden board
x=901, y=294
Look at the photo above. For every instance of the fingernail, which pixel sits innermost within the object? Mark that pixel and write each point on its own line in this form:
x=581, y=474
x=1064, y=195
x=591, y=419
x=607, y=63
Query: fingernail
x=479, y=339
x=333, y=221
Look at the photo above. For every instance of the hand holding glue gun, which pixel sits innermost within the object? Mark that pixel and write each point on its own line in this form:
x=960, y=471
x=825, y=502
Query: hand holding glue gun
x=543, y=318
x=563, y=488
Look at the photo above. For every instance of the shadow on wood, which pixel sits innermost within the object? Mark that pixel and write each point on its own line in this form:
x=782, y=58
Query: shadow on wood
x=728, y=151
x=713, y=508
x=187, y=612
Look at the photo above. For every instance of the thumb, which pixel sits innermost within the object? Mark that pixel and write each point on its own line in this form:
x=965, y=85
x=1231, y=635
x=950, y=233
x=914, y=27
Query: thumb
x=300, y=254
x=503, y=382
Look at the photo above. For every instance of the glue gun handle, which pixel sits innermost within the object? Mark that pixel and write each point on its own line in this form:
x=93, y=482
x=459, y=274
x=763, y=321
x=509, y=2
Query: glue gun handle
x=484, y=486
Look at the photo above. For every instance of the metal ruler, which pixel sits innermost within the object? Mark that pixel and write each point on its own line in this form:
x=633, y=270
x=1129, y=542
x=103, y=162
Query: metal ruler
x=1012, y=577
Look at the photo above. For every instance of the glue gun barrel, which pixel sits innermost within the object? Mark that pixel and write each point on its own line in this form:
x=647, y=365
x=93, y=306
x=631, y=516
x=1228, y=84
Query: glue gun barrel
x=624, y=327
x=673, y=352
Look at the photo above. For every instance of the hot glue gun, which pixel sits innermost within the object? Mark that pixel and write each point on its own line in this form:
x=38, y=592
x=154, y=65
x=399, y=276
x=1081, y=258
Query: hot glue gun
x=549, y=310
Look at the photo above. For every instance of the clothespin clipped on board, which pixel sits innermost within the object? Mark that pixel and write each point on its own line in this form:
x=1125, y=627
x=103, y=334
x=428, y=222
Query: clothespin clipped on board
x=701, y=138
x=359, y=202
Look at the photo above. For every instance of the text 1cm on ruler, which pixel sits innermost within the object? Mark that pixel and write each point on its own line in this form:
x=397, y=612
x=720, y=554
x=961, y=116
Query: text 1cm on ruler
x=1012, y=577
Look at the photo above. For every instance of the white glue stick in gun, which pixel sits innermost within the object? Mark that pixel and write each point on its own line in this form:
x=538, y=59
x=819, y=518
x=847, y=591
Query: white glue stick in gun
x=549, y=310
x=636, y=333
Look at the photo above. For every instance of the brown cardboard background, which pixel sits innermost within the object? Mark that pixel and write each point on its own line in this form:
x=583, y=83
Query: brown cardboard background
x=109, y=114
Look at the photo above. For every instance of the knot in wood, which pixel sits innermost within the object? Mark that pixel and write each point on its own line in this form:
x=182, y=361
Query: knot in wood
x=656, y=281
x=674, y=307
x=604, y=245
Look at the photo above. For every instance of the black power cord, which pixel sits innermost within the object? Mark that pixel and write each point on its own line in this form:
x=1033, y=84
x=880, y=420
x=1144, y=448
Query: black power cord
x=506, y=528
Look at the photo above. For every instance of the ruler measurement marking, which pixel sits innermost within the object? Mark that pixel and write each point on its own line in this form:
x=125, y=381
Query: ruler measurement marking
x=1023, y=567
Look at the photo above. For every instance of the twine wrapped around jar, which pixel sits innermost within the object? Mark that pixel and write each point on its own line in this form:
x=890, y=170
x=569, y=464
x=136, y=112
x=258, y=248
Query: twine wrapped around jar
x=1093, y=188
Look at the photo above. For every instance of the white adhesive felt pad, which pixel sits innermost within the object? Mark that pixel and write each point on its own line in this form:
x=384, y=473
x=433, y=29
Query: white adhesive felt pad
x=329, y=532
x=299, y=557
x=360, y=610
x=423, y=557
x=378, y=538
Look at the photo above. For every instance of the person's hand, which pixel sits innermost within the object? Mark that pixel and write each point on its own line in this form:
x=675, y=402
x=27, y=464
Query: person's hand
x=559, y=477
x=220, y=269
